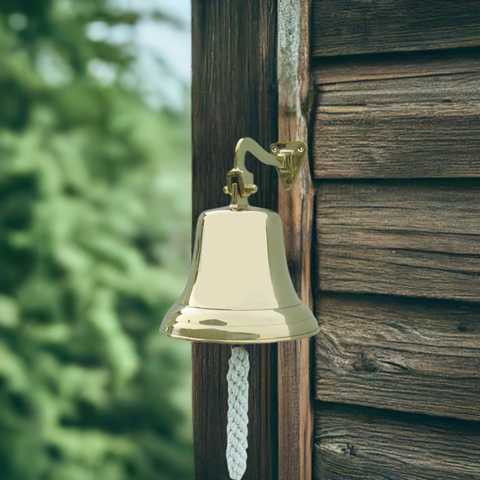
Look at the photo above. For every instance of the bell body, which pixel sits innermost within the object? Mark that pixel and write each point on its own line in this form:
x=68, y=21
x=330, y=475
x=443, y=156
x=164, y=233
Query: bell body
x=239, y=289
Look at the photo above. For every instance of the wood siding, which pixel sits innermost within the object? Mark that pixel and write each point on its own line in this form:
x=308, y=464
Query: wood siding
x=402, y=354
x=425, y=126
x=418, y=239
x=346, y=27
x=366, y=443
x=396, y=162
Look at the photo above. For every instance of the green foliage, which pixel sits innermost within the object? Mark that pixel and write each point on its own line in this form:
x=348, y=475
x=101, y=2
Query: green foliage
x=89, y=176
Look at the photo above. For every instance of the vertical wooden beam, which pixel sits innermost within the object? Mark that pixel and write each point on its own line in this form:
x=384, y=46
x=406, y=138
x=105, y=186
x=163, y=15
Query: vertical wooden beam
x=295, y=399
x=234, y=94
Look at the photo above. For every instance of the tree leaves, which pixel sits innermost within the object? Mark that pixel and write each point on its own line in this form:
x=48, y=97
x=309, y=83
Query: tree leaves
x=88, y=267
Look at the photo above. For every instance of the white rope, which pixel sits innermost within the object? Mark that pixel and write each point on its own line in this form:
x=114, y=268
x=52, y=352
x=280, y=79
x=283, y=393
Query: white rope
x=237, y=427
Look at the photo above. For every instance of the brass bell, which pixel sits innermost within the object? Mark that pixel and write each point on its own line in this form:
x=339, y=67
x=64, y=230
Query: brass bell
x=239, y=289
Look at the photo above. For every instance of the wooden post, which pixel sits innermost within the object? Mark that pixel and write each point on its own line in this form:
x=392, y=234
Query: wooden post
x=295, y=404
x=234, y=95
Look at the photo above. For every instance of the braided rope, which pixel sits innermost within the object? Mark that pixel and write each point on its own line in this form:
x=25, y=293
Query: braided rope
x=237, y=427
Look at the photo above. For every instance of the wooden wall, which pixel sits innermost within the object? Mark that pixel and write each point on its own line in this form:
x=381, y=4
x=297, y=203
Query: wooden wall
x=396, y=147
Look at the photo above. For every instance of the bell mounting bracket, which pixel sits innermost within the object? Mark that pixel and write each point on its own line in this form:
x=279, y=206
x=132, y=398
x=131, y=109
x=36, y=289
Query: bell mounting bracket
x=287, y=157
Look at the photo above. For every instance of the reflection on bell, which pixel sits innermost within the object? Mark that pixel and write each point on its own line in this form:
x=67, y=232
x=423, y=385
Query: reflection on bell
x=239, y=289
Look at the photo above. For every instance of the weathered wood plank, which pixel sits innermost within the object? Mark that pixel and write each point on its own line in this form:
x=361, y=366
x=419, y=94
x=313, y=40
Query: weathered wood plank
x=462, y=88
x=233, y=96
x=357, y=68
x=399, y=128
x=358, y=443
x=295, y=399
x=346, y=27
x=401, y=354
x=419, y=239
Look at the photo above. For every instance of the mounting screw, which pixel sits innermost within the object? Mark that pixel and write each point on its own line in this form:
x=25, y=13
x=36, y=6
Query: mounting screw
x=300, y=148
x=274, y=148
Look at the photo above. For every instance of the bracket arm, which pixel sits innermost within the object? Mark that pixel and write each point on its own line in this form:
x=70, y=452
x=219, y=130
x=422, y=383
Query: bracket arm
x=287, y=157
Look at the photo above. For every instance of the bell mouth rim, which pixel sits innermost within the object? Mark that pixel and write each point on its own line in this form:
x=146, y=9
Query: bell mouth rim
x=264, y=326
x=245, y=342
x=273, y=316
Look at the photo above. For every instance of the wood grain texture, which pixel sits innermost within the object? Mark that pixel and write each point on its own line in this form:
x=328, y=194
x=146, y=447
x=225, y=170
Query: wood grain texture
x=355, y=68
x=418, y=239
x=420, y=127
x=295, y=392
x=358, y=443
x=233, y=95
x=346, y=27
x=401, y=354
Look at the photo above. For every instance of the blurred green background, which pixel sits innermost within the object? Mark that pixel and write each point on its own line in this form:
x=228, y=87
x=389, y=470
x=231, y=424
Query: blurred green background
x=94, y=244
